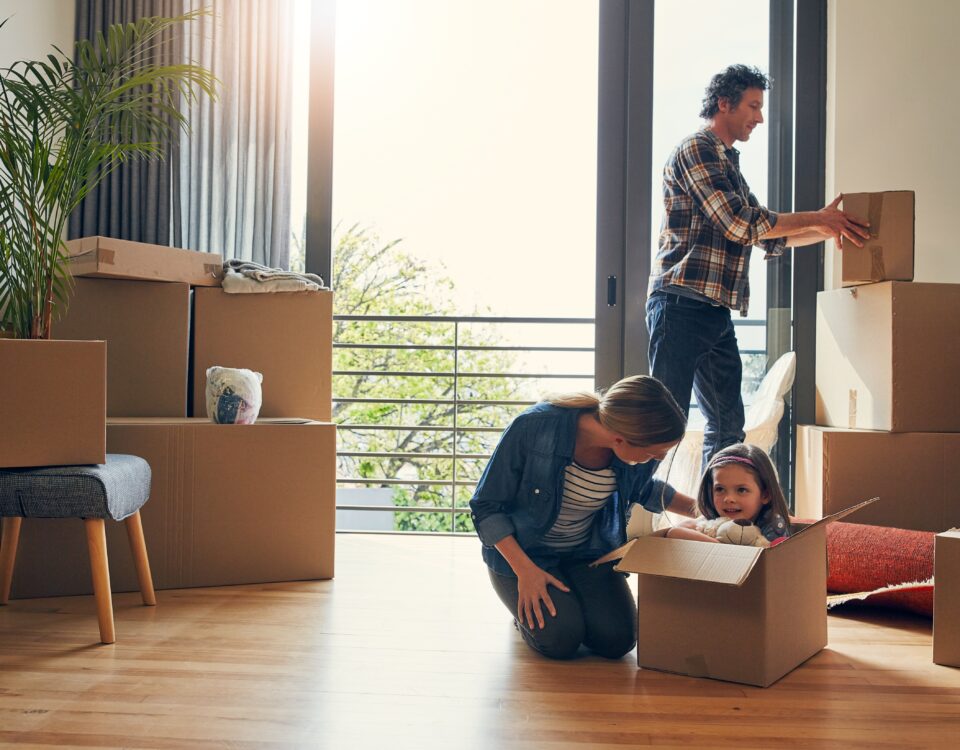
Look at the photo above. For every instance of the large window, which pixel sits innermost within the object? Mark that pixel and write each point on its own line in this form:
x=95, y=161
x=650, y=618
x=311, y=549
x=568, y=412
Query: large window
x=464, y=226
x=472, y=178
x=467, y=132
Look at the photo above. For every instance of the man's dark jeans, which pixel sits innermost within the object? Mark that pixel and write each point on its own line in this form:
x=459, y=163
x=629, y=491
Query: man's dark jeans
x=693, y=347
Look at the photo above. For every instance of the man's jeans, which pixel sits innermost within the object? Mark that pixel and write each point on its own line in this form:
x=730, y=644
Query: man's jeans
x=693, y=347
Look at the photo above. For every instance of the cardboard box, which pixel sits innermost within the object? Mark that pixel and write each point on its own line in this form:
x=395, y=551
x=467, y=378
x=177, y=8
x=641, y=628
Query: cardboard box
x=888, y=357
x=888, y=254
x=741, y=614
x=229, y=504
x=146, y=325
x=285, y=336
x=946, y=598
x=106, y=257
x=53, y=403
x=915, y=475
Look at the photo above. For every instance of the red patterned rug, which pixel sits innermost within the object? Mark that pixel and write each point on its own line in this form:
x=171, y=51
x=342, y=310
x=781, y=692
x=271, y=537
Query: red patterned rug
x=880, y=566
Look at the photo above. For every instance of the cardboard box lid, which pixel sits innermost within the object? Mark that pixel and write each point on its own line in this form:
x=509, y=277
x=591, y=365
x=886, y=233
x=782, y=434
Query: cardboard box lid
x=728, y=564
x=683, y=558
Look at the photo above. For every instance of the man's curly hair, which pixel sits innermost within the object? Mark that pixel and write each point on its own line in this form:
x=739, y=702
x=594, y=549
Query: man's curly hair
x=730, y=84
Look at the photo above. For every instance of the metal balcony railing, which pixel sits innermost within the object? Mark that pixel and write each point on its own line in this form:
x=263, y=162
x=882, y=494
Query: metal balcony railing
x=457, y=389
x=460, y=395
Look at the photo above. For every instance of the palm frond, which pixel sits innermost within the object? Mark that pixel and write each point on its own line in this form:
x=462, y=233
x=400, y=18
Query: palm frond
x=65, y=124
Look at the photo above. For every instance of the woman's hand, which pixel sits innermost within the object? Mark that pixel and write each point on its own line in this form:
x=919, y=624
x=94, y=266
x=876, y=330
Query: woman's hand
x=532, y=583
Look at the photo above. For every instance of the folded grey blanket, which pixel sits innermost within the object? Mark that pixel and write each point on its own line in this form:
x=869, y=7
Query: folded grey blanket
x=259, y=272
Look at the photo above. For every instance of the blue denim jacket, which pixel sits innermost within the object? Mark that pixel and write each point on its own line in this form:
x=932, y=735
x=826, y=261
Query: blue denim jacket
x=521, y=490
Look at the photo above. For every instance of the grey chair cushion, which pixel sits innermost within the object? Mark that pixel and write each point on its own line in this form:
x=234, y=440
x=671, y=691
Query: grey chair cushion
x=116, y=489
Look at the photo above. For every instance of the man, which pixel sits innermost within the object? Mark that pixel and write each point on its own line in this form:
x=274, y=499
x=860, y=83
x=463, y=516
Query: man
x=700, y=274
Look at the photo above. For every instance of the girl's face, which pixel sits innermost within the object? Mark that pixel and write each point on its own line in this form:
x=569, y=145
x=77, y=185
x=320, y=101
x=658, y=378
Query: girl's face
x=736, y=494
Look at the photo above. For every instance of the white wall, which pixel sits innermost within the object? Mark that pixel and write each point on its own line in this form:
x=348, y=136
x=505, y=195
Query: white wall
x=33, y=27
x=893, y=108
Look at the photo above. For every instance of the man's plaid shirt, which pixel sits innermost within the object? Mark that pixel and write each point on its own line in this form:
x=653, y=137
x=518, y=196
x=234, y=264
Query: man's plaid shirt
x=711, y=222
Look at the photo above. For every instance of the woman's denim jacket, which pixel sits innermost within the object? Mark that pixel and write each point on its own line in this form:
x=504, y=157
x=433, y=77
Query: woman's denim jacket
x=521, y=490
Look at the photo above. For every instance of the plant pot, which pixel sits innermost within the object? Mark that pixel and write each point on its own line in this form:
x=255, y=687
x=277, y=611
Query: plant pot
x=52, y=402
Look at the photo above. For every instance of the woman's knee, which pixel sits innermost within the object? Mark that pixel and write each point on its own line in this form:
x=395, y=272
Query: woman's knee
x=558, y=640
x=612, y=643
x=613, y=635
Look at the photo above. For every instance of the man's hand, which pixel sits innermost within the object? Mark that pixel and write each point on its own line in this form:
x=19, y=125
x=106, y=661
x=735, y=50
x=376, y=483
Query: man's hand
x=532, y=582
x=810, y=227
x=838, y=224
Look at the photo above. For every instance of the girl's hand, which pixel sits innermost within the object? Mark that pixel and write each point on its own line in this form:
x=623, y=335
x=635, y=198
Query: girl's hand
x=532, y=585
x=682, y=532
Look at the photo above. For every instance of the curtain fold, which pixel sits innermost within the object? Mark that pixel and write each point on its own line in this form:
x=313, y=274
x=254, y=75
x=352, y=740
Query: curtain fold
x=134, y=201
x=235, y=168
x=224, y=186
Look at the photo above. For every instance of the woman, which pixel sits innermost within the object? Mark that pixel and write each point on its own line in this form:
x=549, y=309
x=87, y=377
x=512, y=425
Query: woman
x=554, y=497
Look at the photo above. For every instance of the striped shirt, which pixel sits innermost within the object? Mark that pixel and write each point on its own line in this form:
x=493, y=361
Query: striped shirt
x=711, y=221
x=585, y=491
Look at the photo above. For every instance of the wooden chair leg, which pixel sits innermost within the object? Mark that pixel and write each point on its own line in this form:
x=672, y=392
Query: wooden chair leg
x=138, y=547
x=8, y=554
x=97, y=547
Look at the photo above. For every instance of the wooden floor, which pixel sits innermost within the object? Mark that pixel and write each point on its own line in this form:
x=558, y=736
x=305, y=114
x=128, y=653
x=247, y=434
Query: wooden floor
x=409, y=648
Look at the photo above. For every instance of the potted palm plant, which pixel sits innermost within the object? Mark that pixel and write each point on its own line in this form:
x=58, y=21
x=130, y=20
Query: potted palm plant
x=65, y=123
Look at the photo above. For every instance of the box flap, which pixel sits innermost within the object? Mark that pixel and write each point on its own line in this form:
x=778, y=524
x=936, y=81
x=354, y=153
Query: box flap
x=682, y=558
x=837, y=516
x=615, y=554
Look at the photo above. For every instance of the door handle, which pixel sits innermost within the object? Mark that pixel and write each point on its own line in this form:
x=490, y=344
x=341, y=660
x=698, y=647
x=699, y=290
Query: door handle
x=611, y=291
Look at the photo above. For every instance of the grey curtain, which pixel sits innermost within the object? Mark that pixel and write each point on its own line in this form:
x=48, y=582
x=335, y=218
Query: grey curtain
x=235, y=167
x=134, y=201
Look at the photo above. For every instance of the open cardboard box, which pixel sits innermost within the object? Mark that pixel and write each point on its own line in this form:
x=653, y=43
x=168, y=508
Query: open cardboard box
x=742, y=614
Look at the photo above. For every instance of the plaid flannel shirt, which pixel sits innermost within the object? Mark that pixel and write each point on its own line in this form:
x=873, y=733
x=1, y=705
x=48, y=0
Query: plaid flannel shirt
x=710, y=224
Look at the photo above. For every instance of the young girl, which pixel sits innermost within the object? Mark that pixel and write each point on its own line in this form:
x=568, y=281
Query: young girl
x=739, y=484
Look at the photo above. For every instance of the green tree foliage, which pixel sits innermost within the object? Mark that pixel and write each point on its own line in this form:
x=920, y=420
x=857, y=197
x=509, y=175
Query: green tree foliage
x=372, y=278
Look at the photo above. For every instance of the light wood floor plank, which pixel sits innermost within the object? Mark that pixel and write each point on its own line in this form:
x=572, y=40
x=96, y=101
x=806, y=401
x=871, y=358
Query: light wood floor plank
x=409, y=648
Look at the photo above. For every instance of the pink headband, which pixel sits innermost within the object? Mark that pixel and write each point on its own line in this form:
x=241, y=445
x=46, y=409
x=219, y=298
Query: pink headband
x=718, y=460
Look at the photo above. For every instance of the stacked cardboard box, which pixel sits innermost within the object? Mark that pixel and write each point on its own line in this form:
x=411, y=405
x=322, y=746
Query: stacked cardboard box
x=888, y=354
x=888, y=363
x=946, y=599
x=229, y=503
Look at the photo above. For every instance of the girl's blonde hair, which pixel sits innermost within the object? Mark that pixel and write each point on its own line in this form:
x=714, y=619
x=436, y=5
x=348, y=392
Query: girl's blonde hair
x=757, y=462
x=638, y=408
